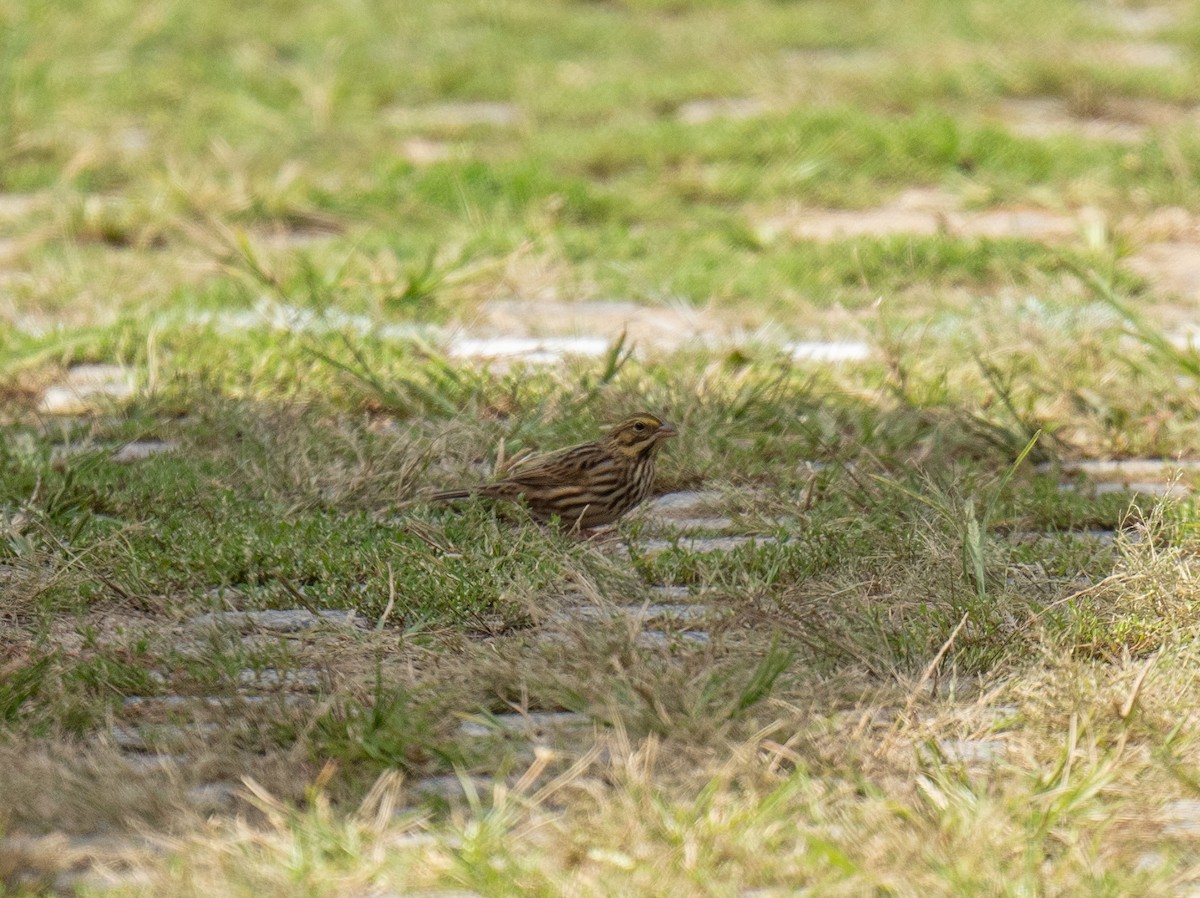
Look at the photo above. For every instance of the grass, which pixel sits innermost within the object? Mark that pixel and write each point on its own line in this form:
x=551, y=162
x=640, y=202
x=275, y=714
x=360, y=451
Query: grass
x=936, y=662
x=848, y=619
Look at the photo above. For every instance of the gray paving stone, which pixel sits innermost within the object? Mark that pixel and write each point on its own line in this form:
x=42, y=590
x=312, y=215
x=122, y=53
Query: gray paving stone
x=1144, y=488
x=141, y=760
x=1047, y=117
x=1140, y=21
x=658, y=639
x=274, y=316
x=283, y=238
x=918, y=211
x=1099, y=537
x=973, y=751
x=145, y=738
x=683, y=502
x=1172, y=268
x=533, y=350
x=131, y=739
x=1126, y=469
x=151, y=703
x=532, y=333
x=679, y=611
x=1181, y=817
x=140, y=450
x=705, y=544
x=87, y=388
x=830, y=351
x=18, y=205
x=672, y=593
x=289, y=620
x=76, y=864
x=62, y=845
x=423, y=151
x=535, y=723
x=670, y=610
x=660, y=327
x=448, y=786
x=713, y=524
x=454, y=116
x=102, y=879
x=272, y=679
x=698, y=112
x=212, y=798
x=836, y=59
x=1149, y=861
x=1144, y=54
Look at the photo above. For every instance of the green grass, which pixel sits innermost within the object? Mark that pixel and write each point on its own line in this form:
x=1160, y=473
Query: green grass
x=225, y=126
x=277, y=218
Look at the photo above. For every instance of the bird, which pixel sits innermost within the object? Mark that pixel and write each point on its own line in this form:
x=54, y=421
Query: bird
x=588, y=485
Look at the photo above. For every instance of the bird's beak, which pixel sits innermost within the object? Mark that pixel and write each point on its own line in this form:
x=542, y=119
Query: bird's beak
x=666, y=431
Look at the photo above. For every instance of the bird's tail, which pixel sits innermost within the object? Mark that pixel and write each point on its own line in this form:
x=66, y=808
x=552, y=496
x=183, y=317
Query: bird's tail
x=450, y=495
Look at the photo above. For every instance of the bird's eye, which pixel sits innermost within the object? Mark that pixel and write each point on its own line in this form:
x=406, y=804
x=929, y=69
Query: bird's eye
x=639, y=426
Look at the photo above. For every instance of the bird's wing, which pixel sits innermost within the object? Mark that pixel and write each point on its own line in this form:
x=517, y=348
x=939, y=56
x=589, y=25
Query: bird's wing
x=549, y=472
x=556, y=469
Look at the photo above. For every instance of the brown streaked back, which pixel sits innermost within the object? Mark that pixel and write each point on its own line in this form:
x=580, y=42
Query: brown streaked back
x=591, y=484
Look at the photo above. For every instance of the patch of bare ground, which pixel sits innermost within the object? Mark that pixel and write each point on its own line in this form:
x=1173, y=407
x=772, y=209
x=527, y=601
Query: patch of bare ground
x=684, y=504
x=528, y=302
x=1145, y=476
x=835, y=60
x=535, y=724
x=1138, y=21
x=544, y=331
x=1171, y=267
x=18, y=205
x=699, y=112
x=1166, y=242
x=818, y=76
x=88, y=388
x=283, y=237
x=1136, y=54
x=1166, y=252
x=659, y=326
x=11, y=249
x=423, y=151
x=1127, y=470
x=123, y=454
x=531, y=350
x=925, y=211
x=454, y=116
x=1120, y=119
x=65, y=864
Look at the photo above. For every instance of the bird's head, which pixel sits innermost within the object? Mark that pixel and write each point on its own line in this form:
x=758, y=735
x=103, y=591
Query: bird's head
x=639, y=434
